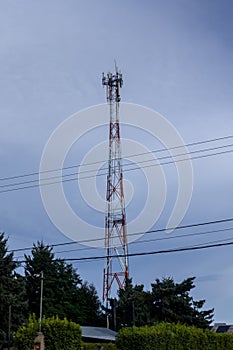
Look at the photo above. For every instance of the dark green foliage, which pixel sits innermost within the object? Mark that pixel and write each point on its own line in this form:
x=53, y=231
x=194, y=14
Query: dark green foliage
x=25, y=335
x=64, y=294
x=60, y=283
x=89, y=307
x=167, y=302
x=133, y=305
x=12, y=291
x=166, y=336
x=58, y=334
x=172, y=302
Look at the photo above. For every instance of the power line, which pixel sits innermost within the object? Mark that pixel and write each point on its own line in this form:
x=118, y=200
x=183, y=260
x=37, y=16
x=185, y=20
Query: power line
x=215, y=241
x=200, y=224
x=152, y=240
x=164, y=251
x=126, y=170
x=158, y=239
x=191, y=144
x=156, y=252
x=125, y=165
x=189, y=235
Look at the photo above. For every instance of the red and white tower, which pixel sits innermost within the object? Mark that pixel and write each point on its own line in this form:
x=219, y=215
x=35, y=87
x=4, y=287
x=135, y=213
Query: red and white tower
x=116, y=249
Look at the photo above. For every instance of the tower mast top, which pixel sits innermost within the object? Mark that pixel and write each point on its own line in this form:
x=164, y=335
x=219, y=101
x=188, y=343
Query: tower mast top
x=113, y=83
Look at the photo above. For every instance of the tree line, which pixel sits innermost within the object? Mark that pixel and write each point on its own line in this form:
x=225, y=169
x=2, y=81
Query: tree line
x=65, y=294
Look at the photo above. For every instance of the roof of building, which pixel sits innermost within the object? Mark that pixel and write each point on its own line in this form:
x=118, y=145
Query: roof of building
x=99, y=333
x=222, y=329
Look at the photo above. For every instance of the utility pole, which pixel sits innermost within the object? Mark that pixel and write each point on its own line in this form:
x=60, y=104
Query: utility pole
x=9, y=327
x=116, y=248
x=41, y=297
x=113, y=311
x=41, y=275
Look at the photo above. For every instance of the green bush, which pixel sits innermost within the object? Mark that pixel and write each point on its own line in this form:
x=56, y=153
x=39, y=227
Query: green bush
x=61, y=334
x=58, y=334
x=25, y=335
x=165, y=336
x=97, y=346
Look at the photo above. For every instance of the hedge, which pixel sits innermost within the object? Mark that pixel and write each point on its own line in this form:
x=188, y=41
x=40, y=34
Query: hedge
x=58, y=334
x=25, y=335
x=166, y=336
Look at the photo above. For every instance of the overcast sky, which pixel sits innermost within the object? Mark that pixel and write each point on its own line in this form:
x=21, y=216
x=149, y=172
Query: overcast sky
x=176, y=57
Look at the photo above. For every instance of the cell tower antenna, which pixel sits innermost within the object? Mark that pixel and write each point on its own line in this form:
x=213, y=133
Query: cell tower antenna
x=116, y=68
x=115, y=219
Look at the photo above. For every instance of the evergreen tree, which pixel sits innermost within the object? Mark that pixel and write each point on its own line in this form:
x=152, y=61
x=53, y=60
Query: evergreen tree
x=12, y=291
x=64, y=294
x=172, y=302
x=42, y=260
x=89, y=306
x=66, y=285
x=133, y=306
x=167, y=302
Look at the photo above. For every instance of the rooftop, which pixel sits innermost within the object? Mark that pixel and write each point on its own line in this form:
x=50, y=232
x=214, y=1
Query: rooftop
x=98, y=333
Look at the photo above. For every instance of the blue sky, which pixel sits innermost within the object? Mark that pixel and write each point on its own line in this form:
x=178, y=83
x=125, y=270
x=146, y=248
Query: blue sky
x=176, y=57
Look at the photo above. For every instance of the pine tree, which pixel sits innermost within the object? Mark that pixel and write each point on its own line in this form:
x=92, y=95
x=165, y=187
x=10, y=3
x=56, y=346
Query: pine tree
x=89, y=306
x=166, y=302
x=40, y=261
x=64, y=294
x=172, y=302
x=133, y=306
x=60, y=283
x=12, y=291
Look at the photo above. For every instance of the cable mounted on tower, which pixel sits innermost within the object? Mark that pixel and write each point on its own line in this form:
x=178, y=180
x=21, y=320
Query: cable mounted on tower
x=115, y=219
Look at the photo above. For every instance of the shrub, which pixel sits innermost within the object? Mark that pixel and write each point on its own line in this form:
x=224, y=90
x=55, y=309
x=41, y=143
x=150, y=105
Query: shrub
x=165, y=336
x=25, y=335
x=59, y=334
